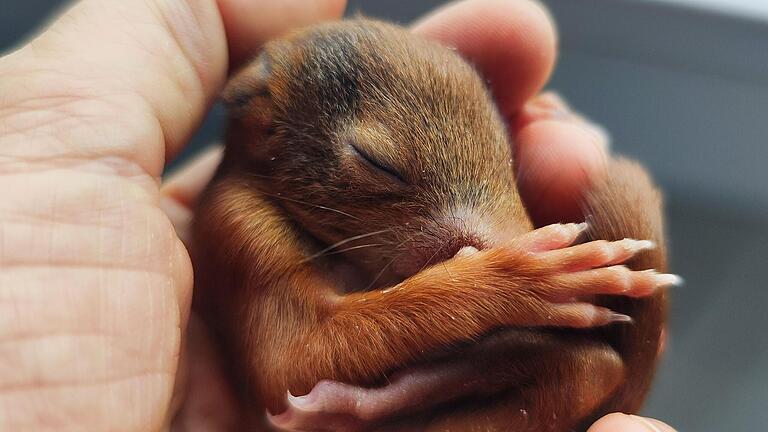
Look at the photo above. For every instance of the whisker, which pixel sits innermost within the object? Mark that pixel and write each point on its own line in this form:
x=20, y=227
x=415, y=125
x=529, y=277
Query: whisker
x=356, y=247
x=383, y=269
x=314, y=205
x=445, y=267
x=426, y=263
x=257, y=175
x=318, y=255
x=345, y=241
x=378, y=275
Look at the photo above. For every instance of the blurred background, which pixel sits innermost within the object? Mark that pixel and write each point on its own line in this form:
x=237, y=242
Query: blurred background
x=681, y=85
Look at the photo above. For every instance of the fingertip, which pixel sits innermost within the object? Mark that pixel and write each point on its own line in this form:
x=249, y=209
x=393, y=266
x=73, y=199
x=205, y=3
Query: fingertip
x=513, y=44
x=251, y=23
x=557, y=161
x=614, y=422
x=618, y=422
x=653, y=424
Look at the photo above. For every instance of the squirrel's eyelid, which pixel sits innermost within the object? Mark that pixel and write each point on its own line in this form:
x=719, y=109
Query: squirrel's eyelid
x=378, y=164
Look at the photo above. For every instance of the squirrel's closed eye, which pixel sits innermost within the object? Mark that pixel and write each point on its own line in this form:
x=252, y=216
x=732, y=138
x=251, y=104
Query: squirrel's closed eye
x=377, y=164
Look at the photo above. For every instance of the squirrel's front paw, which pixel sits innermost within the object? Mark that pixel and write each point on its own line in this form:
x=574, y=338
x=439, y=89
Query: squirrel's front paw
x=559, y=279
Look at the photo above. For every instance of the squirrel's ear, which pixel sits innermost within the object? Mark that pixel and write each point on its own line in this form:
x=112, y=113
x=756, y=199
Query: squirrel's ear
x=247, y=96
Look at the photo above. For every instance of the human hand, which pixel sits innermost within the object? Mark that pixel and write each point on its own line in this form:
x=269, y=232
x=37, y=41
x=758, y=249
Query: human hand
x=96, y=283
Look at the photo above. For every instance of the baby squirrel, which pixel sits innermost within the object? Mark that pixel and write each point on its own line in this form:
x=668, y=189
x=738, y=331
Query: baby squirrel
x=365, y=218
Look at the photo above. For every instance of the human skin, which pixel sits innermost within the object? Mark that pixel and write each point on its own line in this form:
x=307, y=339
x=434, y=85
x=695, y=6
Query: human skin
x=95, y=280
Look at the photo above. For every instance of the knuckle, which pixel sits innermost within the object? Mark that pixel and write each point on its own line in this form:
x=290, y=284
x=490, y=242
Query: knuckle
x=64, y=206
x=602, y=250
x=587, y=315
x=620, y=277
x=578, y=315
x=65, y=126
x=55, y=110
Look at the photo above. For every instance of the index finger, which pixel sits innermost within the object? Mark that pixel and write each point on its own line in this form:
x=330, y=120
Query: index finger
x=512, y=43
x=250, y=26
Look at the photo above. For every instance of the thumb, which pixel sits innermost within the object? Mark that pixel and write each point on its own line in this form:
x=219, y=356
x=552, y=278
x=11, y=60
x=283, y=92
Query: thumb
x=96, y=285
x=134, y=79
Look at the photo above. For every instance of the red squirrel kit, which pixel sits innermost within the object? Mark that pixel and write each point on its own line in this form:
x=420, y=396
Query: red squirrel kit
x=364, y=231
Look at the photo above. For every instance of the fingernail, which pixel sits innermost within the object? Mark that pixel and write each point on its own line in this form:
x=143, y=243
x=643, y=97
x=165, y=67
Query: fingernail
x=554, y=101
x=572, y=228
x=567, y=229
x=581, y=227
x=617, y=317
x=560, y=114
x=556, y=108
x=635, y=246
x=299, y=401
x=667, y=280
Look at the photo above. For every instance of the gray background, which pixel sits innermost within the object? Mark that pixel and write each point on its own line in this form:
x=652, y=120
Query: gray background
x=686, y=91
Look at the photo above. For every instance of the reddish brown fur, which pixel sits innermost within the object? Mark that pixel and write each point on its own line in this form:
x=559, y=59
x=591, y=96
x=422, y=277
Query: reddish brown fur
x=290, y=185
